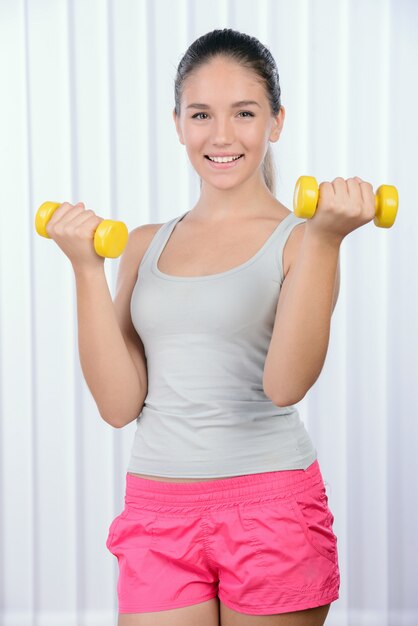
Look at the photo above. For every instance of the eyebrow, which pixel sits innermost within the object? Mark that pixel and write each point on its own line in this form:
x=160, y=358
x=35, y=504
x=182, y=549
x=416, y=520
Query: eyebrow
x=241, y=103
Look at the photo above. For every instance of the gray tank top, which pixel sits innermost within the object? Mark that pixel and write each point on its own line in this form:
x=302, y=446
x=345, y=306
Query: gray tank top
x=206, y=339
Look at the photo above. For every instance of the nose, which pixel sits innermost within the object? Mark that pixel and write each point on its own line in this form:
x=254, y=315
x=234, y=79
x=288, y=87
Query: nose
x=222, y=132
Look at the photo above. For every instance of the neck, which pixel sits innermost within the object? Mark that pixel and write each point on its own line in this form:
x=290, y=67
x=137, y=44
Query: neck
x=222, y=205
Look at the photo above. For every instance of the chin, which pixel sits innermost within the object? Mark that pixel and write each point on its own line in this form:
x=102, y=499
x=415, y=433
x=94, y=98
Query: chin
x=221, y=186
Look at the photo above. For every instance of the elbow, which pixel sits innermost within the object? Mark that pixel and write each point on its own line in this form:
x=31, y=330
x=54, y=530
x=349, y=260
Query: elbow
x=118, y=423
x=125, y=422
x=283, y=400
x=118, y=419
x=111, y=421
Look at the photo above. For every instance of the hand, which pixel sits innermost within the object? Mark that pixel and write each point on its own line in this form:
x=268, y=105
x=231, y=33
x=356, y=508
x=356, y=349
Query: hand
x=342, y=207
x=72, y=227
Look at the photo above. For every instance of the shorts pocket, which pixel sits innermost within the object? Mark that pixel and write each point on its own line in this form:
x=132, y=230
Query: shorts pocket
x=315, y=518
x=269, y=535
x=133, y=529
x=250, y=539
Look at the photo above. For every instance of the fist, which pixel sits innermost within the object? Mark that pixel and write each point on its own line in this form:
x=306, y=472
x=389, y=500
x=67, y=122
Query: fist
x=72, y=227
x=343, y=206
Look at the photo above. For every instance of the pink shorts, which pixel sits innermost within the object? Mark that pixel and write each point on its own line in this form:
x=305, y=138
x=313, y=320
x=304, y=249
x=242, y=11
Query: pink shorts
x=263, y=543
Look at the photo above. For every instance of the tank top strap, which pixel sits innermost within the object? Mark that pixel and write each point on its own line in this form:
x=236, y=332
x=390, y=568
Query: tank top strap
x=273, y=258
x=157, y=242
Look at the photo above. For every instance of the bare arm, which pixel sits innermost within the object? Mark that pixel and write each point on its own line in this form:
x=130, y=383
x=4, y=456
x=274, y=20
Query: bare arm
x=104, y=357
x=111, y=353
x=301, y=330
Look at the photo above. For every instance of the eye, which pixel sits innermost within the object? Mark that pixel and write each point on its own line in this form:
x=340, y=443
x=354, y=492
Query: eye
x=195, y=116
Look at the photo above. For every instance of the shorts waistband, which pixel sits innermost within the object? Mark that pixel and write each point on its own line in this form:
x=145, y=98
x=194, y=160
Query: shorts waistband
x=224, y=490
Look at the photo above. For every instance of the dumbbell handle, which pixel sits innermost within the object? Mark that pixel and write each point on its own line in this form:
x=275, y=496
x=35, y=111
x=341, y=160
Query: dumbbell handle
x=305, y=201
x=110, y=237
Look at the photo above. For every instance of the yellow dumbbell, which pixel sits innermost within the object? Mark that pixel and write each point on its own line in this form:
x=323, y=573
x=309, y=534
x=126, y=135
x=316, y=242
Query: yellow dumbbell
x=305, y=200
x=110, y=237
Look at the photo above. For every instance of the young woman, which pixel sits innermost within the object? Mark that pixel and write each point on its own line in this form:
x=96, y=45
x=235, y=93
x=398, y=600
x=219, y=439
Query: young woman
x=220, y=324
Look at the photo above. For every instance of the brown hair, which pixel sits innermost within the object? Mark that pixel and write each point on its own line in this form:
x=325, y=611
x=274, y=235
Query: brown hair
x=249, y=52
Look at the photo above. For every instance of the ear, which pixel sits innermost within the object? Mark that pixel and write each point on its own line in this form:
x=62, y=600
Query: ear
x=178, y=129
x=277, y=125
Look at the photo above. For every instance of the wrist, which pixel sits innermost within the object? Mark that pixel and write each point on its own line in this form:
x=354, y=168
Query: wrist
x=88, y=271
x=331, y=240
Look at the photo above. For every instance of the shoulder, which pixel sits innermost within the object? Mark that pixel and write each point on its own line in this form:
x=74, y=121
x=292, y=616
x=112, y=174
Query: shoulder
x=139, y=239
x=294, y=239
x=144, y=232
x=292, y=246
x=290, y=255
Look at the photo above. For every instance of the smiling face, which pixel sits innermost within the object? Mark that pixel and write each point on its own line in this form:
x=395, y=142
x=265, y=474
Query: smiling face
x=211, y=122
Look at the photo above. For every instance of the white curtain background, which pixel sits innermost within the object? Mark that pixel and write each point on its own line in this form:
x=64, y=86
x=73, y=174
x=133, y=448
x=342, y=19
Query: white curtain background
x=87, y=92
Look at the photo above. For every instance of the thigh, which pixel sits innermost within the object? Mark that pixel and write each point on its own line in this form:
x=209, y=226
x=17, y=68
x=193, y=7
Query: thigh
x=204, y=614
x=308, y=617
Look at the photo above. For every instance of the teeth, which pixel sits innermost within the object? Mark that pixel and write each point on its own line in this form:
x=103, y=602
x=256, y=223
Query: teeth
x=224, y=159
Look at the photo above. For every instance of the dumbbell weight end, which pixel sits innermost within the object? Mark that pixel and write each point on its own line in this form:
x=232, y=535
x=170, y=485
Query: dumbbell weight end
x=305, y=197
x=110, y=238
x=43, y=215
x=387, y=202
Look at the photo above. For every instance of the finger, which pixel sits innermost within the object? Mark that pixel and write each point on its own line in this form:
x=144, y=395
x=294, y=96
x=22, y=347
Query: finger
x=83, y=217
x=363, y=185
x=60, y=212
x=71, y=215
x=326, y=193
x=360, y=181
x=64, y=214
x=354, y=191
x=91, y=225
x=340, y=188
x=369, y=199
